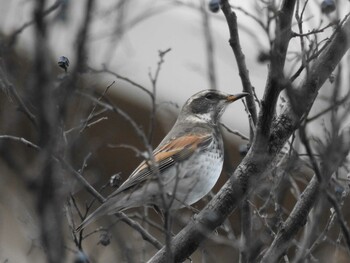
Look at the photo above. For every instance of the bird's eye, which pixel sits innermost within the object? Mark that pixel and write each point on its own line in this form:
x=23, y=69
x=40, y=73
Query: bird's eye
x=210, y=96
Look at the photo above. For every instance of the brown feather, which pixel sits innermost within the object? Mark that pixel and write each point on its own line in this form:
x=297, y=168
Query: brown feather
x=164, y=156
x=189, y=142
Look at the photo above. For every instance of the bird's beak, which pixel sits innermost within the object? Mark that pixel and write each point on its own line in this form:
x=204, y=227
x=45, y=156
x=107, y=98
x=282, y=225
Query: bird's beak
x=232, y=98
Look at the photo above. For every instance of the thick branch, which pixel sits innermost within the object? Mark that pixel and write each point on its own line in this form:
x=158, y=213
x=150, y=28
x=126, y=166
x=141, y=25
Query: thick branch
x=275, y=82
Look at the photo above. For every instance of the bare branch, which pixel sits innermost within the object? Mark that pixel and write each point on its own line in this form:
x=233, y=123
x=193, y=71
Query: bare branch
x=240, y=58
x=19, y=139
x=94, y=107
x=118, y=76
x=154, y=80
x=117, y=110
x=235, y=132
x=342, y=222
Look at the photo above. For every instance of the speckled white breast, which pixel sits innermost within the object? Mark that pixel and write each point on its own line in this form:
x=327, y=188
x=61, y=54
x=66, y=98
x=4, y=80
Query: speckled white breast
x=193, y=179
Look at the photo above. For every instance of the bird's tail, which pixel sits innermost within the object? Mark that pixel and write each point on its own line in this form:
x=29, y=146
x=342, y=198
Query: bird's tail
x=109, y=207
x=91, y=218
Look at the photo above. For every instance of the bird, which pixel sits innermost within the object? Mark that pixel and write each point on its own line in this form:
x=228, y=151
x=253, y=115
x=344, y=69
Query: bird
x=184, y=167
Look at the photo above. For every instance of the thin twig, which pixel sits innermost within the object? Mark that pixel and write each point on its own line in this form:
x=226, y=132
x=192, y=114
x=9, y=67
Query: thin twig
x=248, y=14
x=82, y=122
x=331, y=107
x=154, y=80
x=20, y=139
x=312, y=32
x=308, y=149
x=235, y=132
x=235, y=44
x=130, y=147
x=94, y=107
x=340, y=217
x=323, y=235
x=95, y=122
x=118, y=76
x=122, y=113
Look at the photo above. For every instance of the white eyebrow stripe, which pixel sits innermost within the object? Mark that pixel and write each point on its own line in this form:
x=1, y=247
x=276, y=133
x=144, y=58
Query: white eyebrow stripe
x=204, y=118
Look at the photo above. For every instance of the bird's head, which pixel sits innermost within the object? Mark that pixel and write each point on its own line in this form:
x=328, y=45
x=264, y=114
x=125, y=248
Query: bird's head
x=208, y=105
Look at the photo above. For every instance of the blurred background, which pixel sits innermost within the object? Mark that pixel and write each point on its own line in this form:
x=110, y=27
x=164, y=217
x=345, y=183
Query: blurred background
x=138, y=54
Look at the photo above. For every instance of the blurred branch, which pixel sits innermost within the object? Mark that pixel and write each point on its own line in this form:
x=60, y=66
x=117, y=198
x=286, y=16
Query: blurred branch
x=310, y=154
x=333, y=106
x=341, y=220
x=81, y=41
x=68, y=86
x=246, y=230
x=125, y=22
x=248, y=14
x=298, y=217
x=321, y=237
x=20, y=139
x=9, y=89
x=17, y=32
x=209, y=45
x=48, y=198
x=145, y=235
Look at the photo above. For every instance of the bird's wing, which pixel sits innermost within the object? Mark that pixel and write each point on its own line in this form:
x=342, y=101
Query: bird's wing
x=165, y=156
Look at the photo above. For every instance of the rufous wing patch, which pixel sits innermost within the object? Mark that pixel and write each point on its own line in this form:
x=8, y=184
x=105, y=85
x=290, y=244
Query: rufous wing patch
x=188, y=143
x=164, y=156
